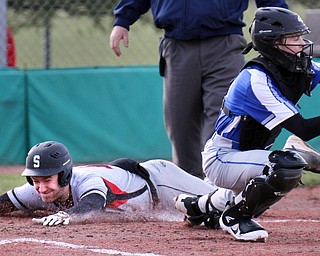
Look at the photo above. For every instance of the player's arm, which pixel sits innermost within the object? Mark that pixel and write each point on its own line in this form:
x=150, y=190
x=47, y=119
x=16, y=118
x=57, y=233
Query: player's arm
x=6, y=205
x=93, y=202
x=305, y=129
x=89, y=203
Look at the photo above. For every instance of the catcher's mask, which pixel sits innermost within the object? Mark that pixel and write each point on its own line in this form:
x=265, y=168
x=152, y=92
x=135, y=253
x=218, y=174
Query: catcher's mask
x=270, y=28
x=46, y=159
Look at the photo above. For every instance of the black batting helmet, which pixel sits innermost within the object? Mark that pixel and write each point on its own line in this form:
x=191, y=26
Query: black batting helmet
x=273, y=24
x=49, y=158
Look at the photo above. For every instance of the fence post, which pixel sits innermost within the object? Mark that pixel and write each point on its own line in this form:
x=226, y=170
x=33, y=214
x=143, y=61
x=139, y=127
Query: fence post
x=3, y=33
x=47, y=41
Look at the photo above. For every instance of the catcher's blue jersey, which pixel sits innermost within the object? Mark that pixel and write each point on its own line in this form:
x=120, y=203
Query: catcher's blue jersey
x=253, y=93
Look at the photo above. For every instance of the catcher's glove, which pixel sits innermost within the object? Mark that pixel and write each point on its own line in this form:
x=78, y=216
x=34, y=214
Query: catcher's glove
x=310, y=155
x=54, y=219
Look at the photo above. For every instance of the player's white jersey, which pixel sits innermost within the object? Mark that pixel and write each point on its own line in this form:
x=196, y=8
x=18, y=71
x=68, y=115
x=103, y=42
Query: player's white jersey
x=85, y=180
x=112, y=182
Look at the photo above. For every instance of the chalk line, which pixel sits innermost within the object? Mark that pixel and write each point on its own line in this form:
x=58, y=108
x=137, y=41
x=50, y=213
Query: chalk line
x=74, y=246
x=113, y=252
x=289, y=220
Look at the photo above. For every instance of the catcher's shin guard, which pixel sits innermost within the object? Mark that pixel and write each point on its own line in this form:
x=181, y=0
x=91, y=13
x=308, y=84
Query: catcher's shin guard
x=265, y=190
x=278, y=179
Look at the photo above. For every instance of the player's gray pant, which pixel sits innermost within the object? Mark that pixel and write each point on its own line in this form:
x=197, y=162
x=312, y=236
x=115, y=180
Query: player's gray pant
x=197, y=76
x=171, y=181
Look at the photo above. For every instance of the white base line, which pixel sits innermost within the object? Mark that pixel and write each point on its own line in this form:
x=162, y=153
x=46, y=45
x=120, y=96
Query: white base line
x=74, y=246
x=290, y=220
x=112, y=252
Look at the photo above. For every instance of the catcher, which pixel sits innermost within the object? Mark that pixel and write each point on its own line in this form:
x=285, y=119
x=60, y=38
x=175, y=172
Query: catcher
x=70, y=192
x=261, y=101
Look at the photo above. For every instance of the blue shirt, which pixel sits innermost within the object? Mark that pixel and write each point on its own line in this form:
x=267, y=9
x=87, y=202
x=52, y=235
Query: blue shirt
x=190, y=19
x=253, y=93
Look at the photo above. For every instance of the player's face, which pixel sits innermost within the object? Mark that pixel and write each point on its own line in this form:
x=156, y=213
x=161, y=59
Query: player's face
x=294, y=44
x=49, y=189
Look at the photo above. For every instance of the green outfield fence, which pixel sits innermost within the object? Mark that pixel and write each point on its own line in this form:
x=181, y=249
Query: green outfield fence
x=99, y=113
x=68, y=85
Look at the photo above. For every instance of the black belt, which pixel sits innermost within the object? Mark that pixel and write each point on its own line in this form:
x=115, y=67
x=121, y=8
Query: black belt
x=229, y=113
x=225, y=109
x=111, y=196
x=134, y=167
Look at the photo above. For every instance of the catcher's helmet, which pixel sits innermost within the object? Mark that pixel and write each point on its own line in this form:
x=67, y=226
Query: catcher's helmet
x=273, y=24
x=49, y=158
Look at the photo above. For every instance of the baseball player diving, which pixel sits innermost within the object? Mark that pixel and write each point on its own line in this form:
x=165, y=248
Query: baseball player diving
x=53, y=184
x=260, y=102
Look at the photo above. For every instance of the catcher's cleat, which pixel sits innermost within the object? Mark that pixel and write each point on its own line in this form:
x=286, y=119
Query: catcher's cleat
x=244, y=229
x=188, y=205
x=310, y=155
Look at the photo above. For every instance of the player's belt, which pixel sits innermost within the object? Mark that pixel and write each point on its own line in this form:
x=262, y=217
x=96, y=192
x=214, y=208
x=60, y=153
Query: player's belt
x=134, y=167
x=228, y=111
x=225, y=109
x=111, y=197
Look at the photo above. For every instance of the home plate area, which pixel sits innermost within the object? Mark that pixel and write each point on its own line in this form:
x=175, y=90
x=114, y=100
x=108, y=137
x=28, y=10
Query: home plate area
x=293, y=225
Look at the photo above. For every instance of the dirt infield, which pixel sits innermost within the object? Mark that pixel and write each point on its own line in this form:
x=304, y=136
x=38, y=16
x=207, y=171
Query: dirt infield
x=293, y=225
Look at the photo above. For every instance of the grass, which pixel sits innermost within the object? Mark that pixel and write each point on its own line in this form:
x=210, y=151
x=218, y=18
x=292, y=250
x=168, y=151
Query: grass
x=76, y=42
x=309, y=178
x=9, y=181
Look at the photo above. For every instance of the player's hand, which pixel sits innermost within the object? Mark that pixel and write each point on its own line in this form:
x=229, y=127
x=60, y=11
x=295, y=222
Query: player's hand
x=118, y=33
x=60, y=217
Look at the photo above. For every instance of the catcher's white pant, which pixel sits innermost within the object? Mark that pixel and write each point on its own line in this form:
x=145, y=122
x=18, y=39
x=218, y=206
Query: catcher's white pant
x=230, y=168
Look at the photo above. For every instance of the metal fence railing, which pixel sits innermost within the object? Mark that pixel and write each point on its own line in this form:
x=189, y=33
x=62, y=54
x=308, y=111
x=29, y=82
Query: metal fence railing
x=75, y=33
x=61, y=33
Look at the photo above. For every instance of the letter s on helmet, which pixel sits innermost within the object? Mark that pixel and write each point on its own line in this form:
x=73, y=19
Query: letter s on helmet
x=49, y=158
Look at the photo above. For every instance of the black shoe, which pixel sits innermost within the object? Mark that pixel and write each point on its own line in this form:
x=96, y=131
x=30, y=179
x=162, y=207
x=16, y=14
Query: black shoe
x=188, y=205
x=244, y=229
